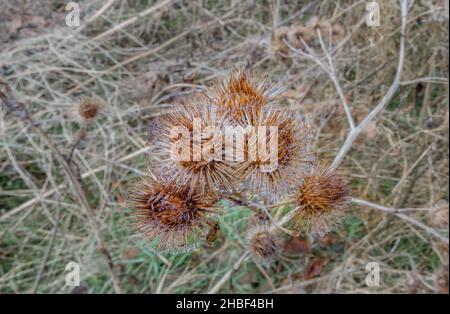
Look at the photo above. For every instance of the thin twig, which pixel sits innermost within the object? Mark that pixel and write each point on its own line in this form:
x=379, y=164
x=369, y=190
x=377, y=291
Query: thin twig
x=434, y=80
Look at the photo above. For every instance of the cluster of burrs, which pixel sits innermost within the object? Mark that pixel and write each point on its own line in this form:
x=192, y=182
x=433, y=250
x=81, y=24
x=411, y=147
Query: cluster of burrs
x=175, y=205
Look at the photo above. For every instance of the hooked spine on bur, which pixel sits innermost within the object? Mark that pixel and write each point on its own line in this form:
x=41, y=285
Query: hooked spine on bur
x=175, y=204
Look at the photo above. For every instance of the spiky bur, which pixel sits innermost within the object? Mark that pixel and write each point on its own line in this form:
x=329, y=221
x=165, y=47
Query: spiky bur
x=176, y=220
x=274, y=174
x=264, y=244
x=195, y=159
x=298, y=35
x=441, y=281
x=86, y=110
x=320, y=200
x=241, y=94
x=279, y=38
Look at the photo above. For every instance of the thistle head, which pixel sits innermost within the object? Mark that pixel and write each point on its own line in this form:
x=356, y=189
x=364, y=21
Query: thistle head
x=177, y=220
x=320, y=199
x=264, y=244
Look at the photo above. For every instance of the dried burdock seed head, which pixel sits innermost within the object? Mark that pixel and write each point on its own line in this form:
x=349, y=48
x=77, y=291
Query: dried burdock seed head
x=274, y=162
x=320, y=200
x=299, y=34
x=212, y=234
x=190, y=143
x=438, y=215
x=264, y=244
x=176, y=220
x=241, y=94
x=86, y=110
x=279, y=38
